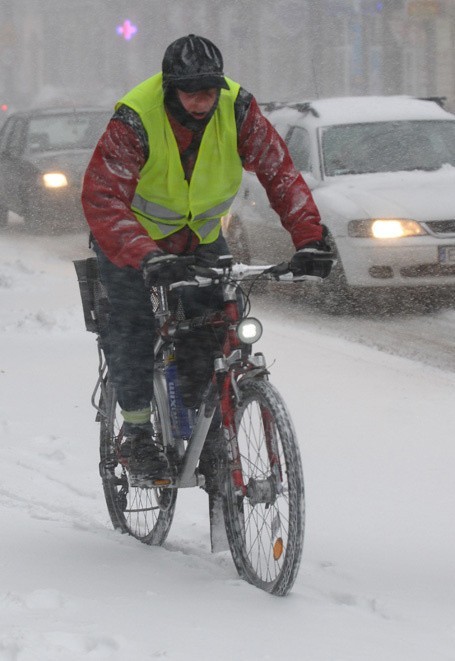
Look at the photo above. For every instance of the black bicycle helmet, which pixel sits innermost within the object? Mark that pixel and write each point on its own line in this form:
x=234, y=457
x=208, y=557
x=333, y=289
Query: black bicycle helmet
x=193, y=63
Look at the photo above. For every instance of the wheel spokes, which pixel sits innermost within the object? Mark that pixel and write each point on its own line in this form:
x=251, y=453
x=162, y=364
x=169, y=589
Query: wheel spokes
x=265, y=515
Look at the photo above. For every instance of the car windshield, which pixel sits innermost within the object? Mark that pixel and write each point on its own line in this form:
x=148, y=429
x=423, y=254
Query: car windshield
x=69, y=131
x=388, y=147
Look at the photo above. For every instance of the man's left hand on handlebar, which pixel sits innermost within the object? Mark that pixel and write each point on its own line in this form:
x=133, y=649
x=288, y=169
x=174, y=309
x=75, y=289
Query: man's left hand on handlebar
x=316, y=259
x=161, y=269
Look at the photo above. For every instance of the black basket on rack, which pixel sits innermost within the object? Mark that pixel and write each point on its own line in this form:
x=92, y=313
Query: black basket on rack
x=95, y=303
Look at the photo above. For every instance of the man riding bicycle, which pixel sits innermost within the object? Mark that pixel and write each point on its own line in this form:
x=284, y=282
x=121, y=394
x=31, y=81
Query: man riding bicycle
x=164, y=172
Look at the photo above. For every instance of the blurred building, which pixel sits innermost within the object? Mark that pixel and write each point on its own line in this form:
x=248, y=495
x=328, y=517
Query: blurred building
x=386, y=47
x=91, y=51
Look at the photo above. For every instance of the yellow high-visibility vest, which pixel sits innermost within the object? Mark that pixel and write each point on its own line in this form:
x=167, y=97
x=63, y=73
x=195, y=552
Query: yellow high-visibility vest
x=164, y=202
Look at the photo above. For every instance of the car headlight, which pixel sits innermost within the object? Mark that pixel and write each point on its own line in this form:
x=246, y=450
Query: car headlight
x=54, y=180
x=249, y=330
x=384, y=228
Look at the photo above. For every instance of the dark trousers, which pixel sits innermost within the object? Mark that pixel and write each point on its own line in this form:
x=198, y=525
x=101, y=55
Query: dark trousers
x=129, y=338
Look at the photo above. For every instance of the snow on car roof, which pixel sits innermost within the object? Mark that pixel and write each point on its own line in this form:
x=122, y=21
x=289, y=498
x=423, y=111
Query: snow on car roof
x=62, y=110
x=359, y=109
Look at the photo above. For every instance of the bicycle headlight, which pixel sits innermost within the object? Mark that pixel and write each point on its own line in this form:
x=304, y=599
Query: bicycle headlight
x=249, y=330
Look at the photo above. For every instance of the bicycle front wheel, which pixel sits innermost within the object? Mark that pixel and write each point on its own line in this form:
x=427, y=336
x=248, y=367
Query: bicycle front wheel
x=264, y=505
x=143, y=513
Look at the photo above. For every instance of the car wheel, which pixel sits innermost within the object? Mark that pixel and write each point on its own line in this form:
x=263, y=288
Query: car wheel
x=32, y=222
x=3, y=216
x=237, y=241
x=36, y=220
x=334, y=295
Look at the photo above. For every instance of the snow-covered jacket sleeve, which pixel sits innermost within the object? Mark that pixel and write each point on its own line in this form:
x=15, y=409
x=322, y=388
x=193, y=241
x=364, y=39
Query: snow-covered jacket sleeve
x=109, y=185
x=263, y=151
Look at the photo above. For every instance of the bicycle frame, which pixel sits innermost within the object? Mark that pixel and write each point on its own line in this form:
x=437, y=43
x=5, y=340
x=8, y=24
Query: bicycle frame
x=235, y=362
x=221, y=385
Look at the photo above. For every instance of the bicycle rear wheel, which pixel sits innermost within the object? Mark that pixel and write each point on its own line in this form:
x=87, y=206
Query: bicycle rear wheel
x=265, y=519
x=143, y=513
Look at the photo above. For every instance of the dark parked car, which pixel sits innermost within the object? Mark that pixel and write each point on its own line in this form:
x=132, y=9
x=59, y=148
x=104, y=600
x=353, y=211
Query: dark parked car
x=43, y=156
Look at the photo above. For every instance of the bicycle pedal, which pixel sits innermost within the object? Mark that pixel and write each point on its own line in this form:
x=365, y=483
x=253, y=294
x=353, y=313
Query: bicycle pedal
x=163, y=482
x=150, y=482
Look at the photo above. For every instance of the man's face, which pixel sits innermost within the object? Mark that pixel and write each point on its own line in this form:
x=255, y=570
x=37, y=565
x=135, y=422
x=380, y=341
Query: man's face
x=198, y=104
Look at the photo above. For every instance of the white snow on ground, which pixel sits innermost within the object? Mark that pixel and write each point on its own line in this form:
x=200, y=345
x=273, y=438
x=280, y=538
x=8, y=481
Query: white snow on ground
x=377, y=580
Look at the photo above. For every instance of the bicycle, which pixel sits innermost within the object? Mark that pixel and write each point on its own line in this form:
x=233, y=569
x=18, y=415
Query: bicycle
x=250, y=467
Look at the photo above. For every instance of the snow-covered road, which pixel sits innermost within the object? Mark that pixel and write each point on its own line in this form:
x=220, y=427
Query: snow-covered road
x=377, y=579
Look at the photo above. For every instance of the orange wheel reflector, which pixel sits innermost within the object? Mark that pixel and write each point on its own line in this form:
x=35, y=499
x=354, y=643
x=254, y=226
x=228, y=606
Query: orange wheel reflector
x=162, y=483
x=278, y=548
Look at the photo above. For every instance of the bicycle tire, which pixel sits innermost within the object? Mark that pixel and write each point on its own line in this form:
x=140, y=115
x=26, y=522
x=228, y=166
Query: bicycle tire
x=145, y=514
x=265, y=538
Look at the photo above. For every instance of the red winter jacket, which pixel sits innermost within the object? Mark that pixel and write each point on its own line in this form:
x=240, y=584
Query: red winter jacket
x=114, y=170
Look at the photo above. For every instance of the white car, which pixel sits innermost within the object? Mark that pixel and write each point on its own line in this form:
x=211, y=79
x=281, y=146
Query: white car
x=382, y=173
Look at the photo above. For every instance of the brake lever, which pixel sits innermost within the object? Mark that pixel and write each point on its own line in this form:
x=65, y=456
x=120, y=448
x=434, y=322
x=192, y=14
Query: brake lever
x=278, y=269
x=203, y=271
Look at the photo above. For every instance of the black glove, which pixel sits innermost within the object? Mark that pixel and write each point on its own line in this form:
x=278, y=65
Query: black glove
x=161, y=269
x=315, y=258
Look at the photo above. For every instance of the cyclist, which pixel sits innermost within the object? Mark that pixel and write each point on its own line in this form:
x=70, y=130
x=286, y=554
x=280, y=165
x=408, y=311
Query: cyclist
x=164, y=172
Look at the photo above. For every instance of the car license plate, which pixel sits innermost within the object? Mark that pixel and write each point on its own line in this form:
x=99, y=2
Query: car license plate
x=447, y=254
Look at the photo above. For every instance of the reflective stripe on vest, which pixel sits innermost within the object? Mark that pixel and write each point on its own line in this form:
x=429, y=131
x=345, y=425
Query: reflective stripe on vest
x=153, y=209
x=164, y=202
x=163, y=213
x=219, y=210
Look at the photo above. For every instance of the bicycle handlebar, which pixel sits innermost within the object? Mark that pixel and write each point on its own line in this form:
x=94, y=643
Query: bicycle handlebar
x=237, y=271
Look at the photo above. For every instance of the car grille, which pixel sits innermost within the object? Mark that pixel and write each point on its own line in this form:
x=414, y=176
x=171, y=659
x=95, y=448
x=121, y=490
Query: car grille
x=441, y=226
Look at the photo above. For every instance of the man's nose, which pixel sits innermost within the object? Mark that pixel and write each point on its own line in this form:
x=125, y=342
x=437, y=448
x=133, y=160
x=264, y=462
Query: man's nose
x=202, y=103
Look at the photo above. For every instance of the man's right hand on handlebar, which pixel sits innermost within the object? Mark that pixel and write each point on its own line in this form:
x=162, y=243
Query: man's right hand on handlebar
x=161, y=269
